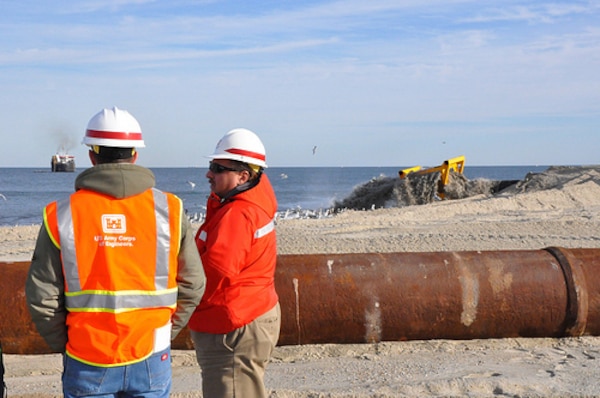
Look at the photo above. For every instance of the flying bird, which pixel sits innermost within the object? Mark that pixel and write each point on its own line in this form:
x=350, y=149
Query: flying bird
x=314, y=149
x=192, y=184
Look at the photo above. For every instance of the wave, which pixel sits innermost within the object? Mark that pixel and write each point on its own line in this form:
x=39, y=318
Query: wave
x=421, y=189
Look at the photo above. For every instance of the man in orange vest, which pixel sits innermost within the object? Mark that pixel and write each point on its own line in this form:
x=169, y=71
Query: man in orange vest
x=115, y=274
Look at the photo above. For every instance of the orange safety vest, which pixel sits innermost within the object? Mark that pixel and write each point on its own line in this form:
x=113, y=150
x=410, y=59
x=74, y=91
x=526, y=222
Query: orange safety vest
x=120, y=267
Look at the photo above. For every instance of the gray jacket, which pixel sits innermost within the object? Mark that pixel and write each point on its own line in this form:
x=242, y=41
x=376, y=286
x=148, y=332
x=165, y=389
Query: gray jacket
x=44, y=286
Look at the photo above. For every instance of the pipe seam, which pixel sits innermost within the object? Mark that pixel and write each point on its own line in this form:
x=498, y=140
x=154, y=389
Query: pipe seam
x=577, y=294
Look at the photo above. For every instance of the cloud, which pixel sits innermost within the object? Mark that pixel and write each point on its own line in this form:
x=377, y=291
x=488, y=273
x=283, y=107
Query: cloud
x=533, y=13
x=340, y=69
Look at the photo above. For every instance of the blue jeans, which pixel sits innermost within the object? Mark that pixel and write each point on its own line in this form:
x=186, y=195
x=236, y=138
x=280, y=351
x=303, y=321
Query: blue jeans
x=150, y=378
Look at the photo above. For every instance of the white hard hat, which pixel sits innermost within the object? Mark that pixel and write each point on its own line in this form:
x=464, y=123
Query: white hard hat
x=114, y=128
x=241, y=145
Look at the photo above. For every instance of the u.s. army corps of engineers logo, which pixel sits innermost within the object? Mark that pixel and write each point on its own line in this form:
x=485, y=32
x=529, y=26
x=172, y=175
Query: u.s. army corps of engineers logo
x=114, y=224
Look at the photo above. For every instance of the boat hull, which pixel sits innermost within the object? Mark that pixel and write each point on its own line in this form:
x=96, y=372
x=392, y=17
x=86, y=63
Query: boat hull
x=62, y=163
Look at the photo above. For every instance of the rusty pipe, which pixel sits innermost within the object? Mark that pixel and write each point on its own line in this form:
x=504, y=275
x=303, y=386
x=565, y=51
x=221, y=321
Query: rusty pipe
x=363, y=298
x=357, y=298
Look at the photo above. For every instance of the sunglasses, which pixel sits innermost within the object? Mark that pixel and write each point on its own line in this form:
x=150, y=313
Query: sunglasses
x=218, y=168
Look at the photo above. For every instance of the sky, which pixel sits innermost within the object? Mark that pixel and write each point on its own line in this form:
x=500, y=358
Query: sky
x=368, y=82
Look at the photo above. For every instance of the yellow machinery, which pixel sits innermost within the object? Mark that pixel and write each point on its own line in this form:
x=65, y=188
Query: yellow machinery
x=456, y=164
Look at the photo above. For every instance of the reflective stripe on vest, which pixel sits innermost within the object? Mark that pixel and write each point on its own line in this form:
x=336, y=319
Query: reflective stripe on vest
x=260, y=233
x=77, y=300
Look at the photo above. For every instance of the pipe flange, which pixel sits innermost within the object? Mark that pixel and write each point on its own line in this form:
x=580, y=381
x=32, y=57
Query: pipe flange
x=577, y=293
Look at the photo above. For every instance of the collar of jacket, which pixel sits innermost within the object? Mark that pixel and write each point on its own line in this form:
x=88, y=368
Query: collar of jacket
x=240, y=188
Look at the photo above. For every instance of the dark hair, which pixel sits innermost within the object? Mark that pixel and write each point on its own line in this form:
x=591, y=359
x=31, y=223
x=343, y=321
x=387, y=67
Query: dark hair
x=242, y=166
x=105, y=154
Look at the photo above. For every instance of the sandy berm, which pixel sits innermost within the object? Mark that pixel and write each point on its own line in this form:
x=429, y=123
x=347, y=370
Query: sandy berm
x=560, y=207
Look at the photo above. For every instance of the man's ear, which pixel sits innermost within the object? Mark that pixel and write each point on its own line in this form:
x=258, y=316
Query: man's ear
x=92, y=156
x=244, y=176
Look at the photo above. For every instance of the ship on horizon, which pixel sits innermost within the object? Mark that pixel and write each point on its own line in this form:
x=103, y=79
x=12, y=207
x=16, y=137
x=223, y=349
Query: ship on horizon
x=62, y=163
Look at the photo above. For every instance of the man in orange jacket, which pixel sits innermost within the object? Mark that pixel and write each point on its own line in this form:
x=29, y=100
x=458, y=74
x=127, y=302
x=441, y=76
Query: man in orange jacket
x=115, y=274
x=236, y=326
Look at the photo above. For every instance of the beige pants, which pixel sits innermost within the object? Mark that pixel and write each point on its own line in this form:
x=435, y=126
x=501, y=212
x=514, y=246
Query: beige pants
x=233, y=364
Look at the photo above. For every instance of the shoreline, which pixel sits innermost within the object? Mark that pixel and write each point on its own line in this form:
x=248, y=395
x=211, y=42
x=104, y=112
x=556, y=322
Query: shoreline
x=565, y=218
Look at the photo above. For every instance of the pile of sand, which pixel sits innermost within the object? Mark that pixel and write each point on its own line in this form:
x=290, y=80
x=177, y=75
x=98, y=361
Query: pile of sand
x=560, y=207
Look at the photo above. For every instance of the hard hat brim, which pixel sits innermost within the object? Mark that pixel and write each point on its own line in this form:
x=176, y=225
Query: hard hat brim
x=239, y=158
x=114, y=143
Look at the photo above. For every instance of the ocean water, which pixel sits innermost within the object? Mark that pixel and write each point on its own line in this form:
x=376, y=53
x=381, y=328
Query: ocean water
x=25, y=191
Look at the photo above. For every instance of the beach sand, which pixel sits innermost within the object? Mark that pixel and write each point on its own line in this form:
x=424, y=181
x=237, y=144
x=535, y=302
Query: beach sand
x=560, y=207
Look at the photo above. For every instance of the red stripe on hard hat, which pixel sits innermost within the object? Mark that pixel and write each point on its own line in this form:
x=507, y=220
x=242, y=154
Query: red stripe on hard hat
x=250, y=154
x=114, y=135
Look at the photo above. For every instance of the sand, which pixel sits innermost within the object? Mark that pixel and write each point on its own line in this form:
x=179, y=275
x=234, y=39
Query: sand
x=560, y=207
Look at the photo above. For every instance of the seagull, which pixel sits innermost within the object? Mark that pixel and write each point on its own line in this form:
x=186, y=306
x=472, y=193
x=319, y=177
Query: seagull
x=2, y=196
x=314, y=149
x=192, y=184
